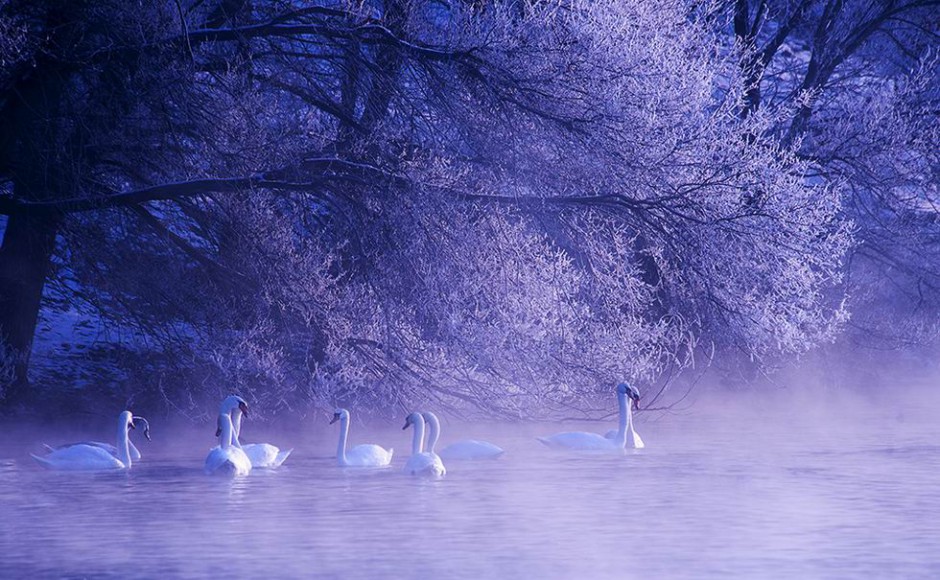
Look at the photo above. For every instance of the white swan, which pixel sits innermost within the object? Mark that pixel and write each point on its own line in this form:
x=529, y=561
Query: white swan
x=634, y=440
x=226, y=459
x=466, y=449
x=93, y=456
x=260, y=454
x=365, y=455
x=135, y=453
x=580, y=440
x=428, y=464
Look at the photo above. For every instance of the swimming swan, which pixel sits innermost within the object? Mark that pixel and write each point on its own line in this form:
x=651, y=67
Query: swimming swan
x=466, y=449
x=428, y=464
x=625, y=436
x=365, y=455
x=260, y=454
x=135, y=453
x=94, y=456
x=226, y=459
x=632, y=436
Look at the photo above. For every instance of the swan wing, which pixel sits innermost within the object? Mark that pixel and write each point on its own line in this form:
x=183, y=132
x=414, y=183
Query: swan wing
x=281, y=456
x=369, y=455
x=261, y=454
x=470, y=449
x=80, y=457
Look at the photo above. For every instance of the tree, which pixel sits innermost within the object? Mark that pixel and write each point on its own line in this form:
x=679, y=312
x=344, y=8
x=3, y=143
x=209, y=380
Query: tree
x=487, y=206
x=854, y=87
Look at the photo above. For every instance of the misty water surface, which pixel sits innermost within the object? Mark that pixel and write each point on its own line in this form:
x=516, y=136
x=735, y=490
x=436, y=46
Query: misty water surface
x=767, y=492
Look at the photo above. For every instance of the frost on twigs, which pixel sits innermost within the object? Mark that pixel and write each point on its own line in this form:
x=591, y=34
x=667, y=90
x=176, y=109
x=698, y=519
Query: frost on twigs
x=500, y=210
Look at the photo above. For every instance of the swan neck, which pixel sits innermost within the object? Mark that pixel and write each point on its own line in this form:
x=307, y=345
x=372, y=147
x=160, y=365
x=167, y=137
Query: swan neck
x=625, y=419
x=123, y=444
x=435, y=432
x=630, y=421
x=418, y=439
x=236, y=426
x=343, y=434
x=225, y=439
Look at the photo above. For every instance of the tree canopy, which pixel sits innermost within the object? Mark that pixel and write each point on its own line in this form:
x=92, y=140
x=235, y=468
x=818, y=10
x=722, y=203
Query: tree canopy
x=501, y=206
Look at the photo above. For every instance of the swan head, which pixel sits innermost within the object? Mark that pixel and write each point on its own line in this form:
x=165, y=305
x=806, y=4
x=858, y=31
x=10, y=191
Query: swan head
x=340, y=415
x=233, y=402
x=127, y=420
x=229, y=404
x=146, y=423
x=413, y=419
x=629, y=390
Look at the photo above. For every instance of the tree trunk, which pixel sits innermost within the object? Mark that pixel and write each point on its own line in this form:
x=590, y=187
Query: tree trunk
x=25, y=258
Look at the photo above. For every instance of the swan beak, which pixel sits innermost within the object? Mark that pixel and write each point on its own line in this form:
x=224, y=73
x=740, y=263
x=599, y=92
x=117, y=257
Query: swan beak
x=335, y=418
x=407, y=424
x=131, y=425
x=636, y=403
x=147, y=434
x=243, y=407
x=218, y=431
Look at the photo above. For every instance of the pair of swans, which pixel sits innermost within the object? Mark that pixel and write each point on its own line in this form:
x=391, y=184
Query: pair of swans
x=625, y=437
x=260, y=454
x=424, y=463
x=429, y=463
x=231, y=457
x=95, y=455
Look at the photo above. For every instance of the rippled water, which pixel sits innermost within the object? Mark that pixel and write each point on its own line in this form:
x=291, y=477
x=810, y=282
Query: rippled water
x=710, y=497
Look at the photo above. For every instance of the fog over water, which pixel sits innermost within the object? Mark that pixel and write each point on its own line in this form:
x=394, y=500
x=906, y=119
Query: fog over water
x=776, y=485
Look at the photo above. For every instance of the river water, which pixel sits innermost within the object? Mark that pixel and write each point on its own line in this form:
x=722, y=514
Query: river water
x=713, y=495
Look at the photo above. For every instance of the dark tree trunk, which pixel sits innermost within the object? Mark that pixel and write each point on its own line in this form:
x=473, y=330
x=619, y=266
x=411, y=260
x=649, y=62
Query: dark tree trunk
x=25, y=257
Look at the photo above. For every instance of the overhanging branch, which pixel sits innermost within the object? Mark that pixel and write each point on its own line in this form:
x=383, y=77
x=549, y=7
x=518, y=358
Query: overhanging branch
x=329, y=170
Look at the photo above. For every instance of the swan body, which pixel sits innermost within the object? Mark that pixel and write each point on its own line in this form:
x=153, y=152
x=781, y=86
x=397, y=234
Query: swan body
x=421, y=463
x=580, y=441
x=81, y=457
x=365, y=455
x=226, y=459
x=93, y=456
x=135, y=453
x=470, y=449
x=262, y=455
x=624, y=437
x=467, y=449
